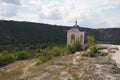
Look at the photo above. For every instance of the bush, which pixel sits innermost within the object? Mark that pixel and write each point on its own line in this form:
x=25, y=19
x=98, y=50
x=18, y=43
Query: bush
x=5, y=58
x=42, y=58
x=93, y=51
x=70, y=49
x=44, y=55
x=90, y=41
x=57, y=51
x=76, y=46
x=91, y=46
x=49, y=53
x=21, y=55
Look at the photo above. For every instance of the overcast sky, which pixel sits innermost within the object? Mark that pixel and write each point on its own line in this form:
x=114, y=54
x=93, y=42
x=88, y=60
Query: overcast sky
x=90, y=13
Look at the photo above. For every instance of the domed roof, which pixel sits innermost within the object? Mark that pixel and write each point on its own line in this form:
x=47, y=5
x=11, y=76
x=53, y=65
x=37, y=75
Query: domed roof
x=76, y=25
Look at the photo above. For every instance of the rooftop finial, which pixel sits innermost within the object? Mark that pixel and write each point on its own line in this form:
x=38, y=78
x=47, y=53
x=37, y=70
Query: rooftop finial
x=76, y=20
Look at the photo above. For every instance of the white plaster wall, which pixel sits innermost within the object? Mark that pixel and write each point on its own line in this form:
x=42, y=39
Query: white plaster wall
x=77, y=36
x=83, y=38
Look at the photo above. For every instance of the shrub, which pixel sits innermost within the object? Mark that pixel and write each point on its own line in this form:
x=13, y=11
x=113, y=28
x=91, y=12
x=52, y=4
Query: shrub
x=37, y=63
x=21, y=55
x=91, y=46
x=45, y=55
x=42, y=58
x=90, y=41
x=54, y=51
x=93, y=51
x=70, y=49
x=42, y=54
x=5, y=58
x=75, y=46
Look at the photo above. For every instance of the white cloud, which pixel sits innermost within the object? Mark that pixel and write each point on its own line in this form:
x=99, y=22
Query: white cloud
x=90, y=13
x=17, y=2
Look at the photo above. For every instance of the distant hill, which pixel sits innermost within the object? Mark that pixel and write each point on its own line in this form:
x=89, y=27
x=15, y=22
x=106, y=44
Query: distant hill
x=13, y=32
x=26, y=32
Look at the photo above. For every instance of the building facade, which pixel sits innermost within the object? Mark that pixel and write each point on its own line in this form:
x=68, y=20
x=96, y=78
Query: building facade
x=74, y=34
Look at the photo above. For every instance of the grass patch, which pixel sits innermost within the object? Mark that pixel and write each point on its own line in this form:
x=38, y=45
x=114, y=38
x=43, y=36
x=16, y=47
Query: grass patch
x=75, y=76
x=114, y=70
x=101, y=63
x=10, y=75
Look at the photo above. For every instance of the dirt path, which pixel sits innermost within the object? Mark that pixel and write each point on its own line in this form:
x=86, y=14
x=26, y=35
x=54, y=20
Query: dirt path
x=116, y=56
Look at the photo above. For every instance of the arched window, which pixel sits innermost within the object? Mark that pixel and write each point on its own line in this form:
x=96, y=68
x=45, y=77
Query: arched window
x=72, y=38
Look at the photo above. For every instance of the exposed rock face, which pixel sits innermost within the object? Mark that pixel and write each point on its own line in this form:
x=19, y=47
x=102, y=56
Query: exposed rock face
x=103, y=60
x=66, y=76
x=75, y=67
x=41, y=76
x=79, y=68
x=54, y=67
x=116, y=55
x=63, y=63
x=105, y=67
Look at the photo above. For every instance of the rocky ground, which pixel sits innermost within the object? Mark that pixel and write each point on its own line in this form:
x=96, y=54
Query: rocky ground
x=74, y=67
x=116, y=56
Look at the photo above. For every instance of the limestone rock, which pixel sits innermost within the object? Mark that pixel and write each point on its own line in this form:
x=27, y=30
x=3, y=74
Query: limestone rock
x=53, y=67
x=62, y=63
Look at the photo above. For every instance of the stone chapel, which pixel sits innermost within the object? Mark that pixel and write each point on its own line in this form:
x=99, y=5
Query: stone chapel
x=75, y=34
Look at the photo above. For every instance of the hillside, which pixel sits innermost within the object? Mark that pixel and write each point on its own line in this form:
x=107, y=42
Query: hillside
x=25, y=32
x=13, y=32
x=67, y=67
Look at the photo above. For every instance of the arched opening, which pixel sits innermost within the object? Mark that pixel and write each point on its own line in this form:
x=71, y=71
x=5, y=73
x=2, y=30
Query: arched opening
x=72, y=38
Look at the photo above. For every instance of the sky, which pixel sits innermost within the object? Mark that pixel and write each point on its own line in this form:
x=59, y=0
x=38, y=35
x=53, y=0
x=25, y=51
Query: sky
x=89, y=13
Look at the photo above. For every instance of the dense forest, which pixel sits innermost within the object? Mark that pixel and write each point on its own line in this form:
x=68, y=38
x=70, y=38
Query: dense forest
x=29, y=33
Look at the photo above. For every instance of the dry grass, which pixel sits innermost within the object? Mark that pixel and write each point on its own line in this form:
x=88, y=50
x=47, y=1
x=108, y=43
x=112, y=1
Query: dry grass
x=10, y=75
x=36, y=69
x=74, y=71
x=14, y=70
